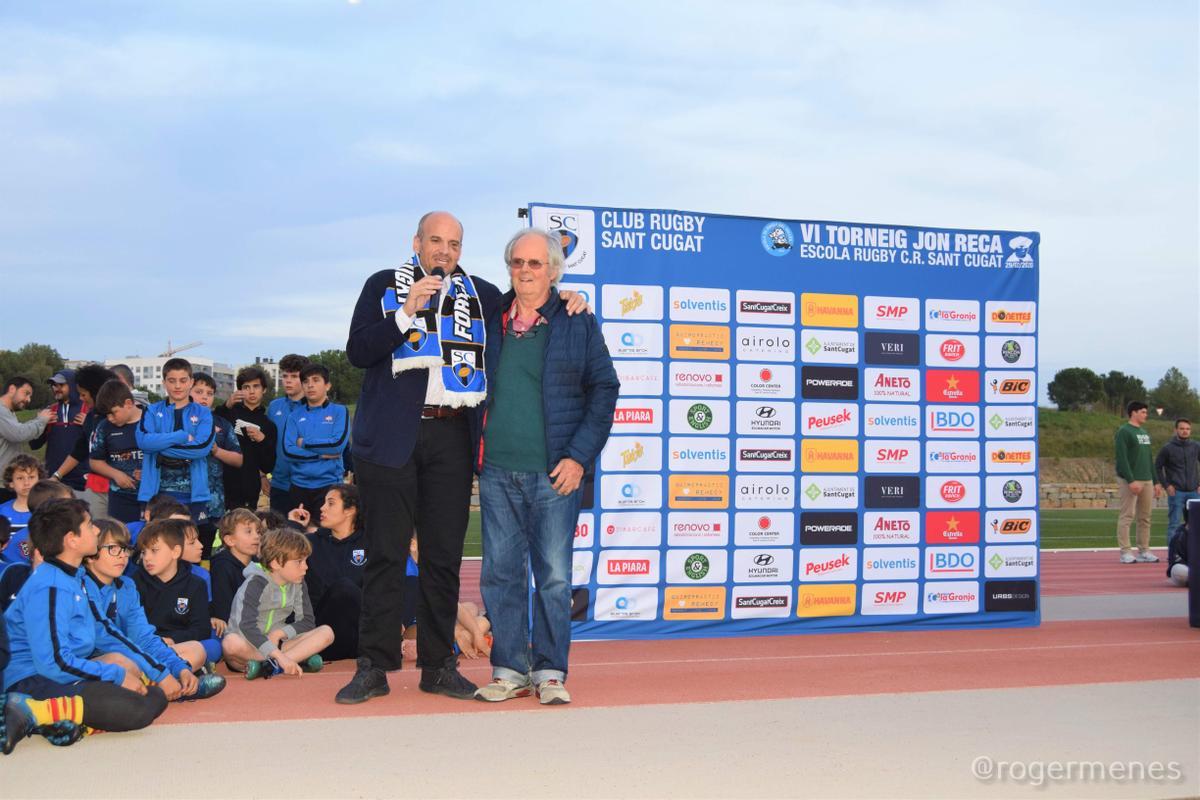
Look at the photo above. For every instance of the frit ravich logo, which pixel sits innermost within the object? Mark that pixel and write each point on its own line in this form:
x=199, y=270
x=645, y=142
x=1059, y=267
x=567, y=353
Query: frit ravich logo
x=1012, y=491
x=777, y=238
x=696, y=566
x=699, y=416
x=953, y=491
x=1010, y=351
x=953, y=349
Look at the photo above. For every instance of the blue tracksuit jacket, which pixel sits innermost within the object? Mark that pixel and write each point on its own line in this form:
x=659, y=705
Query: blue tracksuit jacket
x=158, y=437
x=325, y=432
x=122, y=627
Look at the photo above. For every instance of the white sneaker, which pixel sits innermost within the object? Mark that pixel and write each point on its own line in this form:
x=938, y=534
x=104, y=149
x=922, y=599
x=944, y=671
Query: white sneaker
x=553, y=693
x=500, y=690
x=1127, y=557
x=1146, y=557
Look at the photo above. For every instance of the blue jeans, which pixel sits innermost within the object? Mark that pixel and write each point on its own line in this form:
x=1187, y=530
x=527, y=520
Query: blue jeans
x=526, y=523
x=1175, y=506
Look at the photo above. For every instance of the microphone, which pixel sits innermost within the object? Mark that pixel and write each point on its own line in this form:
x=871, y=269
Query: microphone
x=441, y=273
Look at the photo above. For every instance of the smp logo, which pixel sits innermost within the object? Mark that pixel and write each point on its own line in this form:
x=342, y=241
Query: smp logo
x=576, y=231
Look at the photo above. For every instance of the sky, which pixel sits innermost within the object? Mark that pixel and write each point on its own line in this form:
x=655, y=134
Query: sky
x=230, y=172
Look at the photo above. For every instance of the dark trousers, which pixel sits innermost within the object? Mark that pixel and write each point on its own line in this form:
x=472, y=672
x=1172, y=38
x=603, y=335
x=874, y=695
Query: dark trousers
x=340, y=608
x=242, y=495
x=311, y=499
x=106, y=706
x=431, y=493
x=281, y=500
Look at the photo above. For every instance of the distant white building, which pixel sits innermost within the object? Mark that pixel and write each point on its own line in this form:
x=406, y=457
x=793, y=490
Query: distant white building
x=269, y=366
x=147, y=372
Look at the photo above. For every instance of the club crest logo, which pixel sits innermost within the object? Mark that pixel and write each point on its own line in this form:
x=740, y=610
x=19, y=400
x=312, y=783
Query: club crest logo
x=569, y=240
x=181, y=605
x=463, y=366
x=416, y=339
x=358, y=557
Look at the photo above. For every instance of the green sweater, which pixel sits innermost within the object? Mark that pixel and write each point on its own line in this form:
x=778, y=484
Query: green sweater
x=515, y=436
x=1134, y=460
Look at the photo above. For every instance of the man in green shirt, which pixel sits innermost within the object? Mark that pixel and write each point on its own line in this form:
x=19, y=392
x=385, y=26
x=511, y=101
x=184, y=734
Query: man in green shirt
x=1135, y=477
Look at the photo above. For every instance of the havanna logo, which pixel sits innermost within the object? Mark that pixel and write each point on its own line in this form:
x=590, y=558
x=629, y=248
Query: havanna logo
x=696, y=566
x=699, y=416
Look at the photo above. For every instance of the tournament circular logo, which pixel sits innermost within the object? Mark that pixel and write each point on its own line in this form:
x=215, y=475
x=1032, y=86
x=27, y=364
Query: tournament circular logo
x=1012, y=491
x=777, y=238
x=1010, y=351
x=696, y=566
x=699, y=416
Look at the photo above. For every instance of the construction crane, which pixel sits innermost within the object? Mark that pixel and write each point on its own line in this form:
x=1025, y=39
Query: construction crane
x=170, y=351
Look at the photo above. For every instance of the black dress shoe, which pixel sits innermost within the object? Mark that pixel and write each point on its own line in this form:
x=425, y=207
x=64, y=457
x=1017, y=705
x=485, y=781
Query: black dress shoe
x=448, y=681
x=368, y=682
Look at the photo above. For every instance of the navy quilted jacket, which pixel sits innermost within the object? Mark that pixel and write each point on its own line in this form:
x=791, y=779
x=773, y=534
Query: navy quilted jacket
x=579, y=383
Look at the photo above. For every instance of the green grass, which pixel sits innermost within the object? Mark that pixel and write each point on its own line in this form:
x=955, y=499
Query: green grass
x=473, y=546
x=1088, y=434
x=1092, y=527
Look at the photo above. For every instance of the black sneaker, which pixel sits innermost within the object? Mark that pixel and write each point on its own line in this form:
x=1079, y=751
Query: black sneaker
x=15, y=721
x=368, y=682
x=448, y=681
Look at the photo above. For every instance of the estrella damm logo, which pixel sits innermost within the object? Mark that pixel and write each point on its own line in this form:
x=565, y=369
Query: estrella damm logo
x=829, y=455
x=694, y=603
x=831, y=600
x=698, y=491
x=709, y=342
x=829, y=310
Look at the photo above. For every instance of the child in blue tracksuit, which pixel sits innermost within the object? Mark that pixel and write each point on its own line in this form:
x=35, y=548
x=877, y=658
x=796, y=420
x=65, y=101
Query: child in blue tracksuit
x=278, y=412
x=314, y=438
x=176, y=436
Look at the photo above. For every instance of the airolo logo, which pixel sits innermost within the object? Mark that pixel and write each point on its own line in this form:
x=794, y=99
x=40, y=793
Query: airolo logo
x=766, y=344
x=689, y=603
x=829, y=455
x=765, y=491
x=698, y=491
x=952, y=527
x=708, y=342
x=829, y=310
x=827, y=600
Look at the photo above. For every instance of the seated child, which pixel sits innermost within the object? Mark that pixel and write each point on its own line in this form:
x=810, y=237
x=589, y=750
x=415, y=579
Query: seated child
x=241, y=532
x=175, y=600
x=21, y=474
x=258, y=639
x=17, y=718
x=472, y=628
x=52, y=635
x=161, y=506
x=122, y=625
x=14, y=575
x=335, y=568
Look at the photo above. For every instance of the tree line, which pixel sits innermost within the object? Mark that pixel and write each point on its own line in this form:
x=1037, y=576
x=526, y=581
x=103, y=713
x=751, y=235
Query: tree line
x=1081, y=389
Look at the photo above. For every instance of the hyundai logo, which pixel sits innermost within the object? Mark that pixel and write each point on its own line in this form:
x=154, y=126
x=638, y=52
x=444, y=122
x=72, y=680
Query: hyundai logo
x=766, y=412
x=764, y=559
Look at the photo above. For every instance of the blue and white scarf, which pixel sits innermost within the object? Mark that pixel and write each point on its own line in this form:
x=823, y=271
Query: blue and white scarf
x=451, y=337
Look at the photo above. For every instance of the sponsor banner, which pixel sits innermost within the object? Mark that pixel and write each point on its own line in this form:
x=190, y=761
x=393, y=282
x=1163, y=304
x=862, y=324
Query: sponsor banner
x=1010, y=316
x=764, y=528
x=952, y=315
x=1010, y=422
x=898, y=349
x=634, y=415
x=757, y=307
x=698, y=454
x=765, y=491
x=952, y=386
x=766, y=417
x=892, y=491
x=888, y=419
x=829, y=383
x=576, y=227
x=633, y=340
x=688, y=602
x=777, y=381
x=829, y=419
x=1010, y=596
x=628, y=603
x=955, y=457
x=951, y=562
x=751, y=602
x=622, y=302
x=952, y=527
x=819, y=346
x=697, y=566
x=892, y=385
x=827, y=600
x=891, y=527
x=1004, y=386
x=695, y=304
x=631, y=492
x=1018, y=561
x=829, y=310
x=891, y=456
x=1011, y=456
x=709, y=342
x=587, y=290
x=951, y=350
x=766, y=344
x=581, y=567
x=765, y=455
x=762, y=566
x=828, y=564
x=639, y=378
x=1010, y=527
x=829, y=491
x=951, y=597
x=1009, y=352
x=952, y=422
x=698, y=379
x=632, y=454
x=697, y=529
x=631, y=529
x=829, y=455
x=1012, y=491
x=698, y=491
x=892, y=313
x=618, y=567
x=702, y=417
x=891, y=563
x=820, y=528
x=889, y=598
x=959, y=491
x=585, y=531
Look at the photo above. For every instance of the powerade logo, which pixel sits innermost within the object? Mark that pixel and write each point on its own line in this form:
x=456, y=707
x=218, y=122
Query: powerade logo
x=777, y=238
x=828, y=528
x=828, y=383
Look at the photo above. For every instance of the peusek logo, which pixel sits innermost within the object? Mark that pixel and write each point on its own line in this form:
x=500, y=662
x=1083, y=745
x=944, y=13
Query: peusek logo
x=892, y=384
x=829, y=310
x=576, y=232
x=951, y=386
x=830, y=419
x=683, y=527
x=951, y=527
x=820, y=564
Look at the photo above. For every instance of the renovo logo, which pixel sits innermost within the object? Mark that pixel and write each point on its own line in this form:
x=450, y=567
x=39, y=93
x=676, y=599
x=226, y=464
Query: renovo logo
x=709, y=342
x=696, y=528
x=700, y=379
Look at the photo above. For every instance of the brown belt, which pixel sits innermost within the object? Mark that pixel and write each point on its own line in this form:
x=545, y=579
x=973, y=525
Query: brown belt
x=441, y=412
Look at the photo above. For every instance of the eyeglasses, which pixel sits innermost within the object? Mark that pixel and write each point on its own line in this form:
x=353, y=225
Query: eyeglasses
x=532, y=263
x=117, y=550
